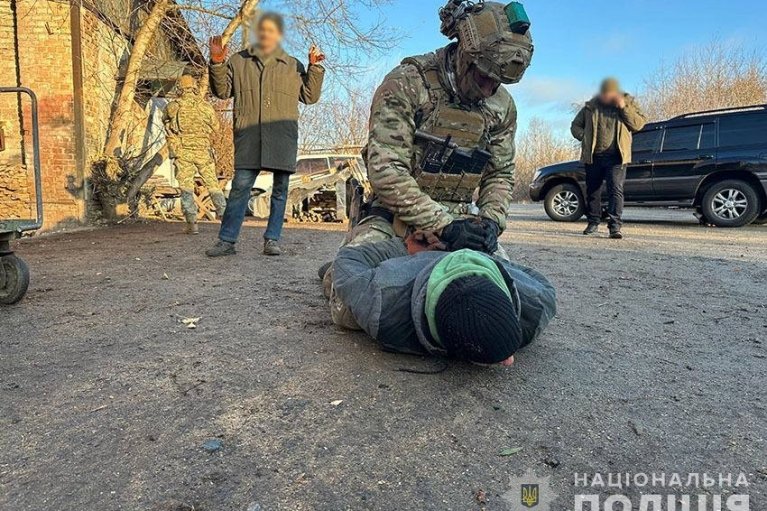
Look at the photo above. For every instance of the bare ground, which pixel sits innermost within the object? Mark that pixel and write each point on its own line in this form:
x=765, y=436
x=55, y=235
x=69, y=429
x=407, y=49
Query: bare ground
x=656, y=362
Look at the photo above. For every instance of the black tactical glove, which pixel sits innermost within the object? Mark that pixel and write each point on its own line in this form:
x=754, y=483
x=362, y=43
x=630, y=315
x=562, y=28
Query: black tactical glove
x=464, y=233
x=492, y=230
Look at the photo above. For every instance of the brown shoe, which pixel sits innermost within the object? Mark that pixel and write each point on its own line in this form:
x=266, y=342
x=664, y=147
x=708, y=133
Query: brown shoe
x=191, y=228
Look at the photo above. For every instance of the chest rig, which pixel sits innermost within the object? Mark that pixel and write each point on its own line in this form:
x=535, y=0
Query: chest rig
x=447, y=136
x=189, y=123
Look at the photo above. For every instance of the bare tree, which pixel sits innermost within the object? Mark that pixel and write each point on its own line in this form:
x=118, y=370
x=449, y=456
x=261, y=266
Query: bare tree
x=339, y=121
x=537, y=147
x=717, y=75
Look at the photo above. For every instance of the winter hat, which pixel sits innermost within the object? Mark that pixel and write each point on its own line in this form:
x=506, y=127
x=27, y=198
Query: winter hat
x=469, y=309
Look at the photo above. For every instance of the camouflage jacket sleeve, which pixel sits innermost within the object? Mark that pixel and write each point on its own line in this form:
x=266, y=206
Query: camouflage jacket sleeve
x=211, y=118
x=632, y=116
x=498, y=179
x=391, y=149
x=171, y=134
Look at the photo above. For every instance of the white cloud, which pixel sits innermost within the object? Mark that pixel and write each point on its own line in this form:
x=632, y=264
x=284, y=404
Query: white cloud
x=552, y=92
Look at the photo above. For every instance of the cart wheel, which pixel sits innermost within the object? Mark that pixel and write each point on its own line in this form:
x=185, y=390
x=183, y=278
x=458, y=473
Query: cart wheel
x=14, y=279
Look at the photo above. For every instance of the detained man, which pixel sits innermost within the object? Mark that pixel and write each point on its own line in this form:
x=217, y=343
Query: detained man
x=413, y=297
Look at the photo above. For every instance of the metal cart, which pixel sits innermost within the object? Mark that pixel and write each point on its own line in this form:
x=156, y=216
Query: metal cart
x=14, y=273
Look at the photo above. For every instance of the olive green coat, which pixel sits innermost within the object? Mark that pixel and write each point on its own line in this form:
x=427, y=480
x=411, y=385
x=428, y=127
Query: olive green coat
x=266, y=98
x=631, y=120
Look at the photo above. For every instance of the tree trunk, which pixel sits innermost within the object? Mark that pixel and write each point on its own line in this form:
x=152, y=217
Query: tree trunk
x=122, y=113
x=246, y=11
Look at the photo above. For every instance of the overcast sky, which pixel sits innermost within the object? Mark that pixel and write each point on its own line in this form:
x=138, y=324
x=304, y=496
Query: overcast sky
x=579, y=42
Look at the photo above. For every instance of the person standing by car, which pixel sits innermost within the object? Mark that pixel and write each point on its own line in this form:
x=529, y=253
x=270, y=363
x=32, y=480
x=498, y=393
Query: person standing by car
x=605, y=126
x=267, y=84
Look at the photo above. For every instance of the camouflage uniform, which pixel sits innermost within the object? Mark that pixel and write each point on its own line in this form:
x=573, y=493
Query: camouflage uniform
x=427, y=94
x=413, y=97
x=189, y=122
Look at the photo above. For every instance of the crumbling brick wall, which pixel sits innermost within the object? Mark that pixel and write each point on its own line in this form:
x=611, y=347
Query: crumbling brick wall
x=15, y=180
x=38, y=35
x=16, y=200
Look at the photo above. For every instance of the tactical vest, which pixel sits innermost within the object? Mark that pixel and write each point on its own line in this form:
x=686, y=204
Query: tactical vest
x=444, y=117
x=190, y=125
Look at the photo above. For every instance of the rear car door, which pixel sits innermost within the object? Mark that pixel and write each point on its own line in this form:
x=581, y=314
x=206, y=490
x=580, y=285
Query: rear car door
x=638, y=185
x=684, y=148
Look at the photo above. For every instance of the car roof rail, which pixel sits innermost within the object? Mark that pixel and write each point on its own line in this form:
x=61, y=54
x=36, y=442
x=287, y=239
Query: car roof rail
x=753, y=108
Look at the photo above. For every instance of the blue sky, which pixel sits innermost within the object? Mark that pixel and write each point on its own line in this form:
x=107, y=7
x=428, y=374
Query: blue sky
x=579, y=42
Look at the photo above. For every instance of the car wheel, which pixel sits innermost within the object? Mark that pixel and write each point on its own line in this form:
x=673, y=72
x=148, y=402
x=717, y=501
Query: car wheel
x=564, y=203
x=731, y=203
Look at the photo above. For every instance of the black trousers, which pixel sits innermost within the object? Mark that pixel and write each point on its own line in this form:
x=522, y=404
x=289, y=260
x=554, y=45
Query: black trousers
x=607, y=168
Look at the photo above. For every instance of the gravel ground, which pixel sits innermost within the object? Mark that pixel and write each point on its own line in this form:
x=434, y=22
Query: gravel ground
x=655, y=363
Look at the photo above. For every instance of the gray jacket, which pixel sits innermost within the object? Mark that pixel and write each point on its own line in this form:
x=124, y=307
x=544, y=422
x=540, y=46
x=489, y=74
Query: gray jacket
x=385, y=289
x=266, y=98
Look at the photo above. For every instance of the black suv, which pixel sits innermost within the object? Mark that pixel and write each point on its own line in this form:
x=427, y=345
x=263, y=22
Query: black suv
x=714, y=161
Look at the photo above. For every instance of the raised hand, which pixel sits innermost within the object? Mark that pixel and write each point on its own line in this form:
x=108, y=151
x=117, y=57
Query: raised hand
x=315, y=55
x=217, y=50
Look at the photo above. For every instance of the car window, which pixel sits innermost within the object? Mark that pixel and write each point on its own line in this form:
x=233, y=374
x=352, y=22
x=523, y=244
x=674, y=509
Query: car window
x=741, y=130
x=311, y=165
x=645, y=141
x=683, y=138
x=708, y=136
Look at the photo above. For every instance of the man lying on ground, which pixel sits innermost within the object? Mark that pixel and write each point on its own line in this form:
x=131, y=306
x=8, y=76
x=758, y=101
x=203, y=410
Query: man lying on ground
x=464, y=305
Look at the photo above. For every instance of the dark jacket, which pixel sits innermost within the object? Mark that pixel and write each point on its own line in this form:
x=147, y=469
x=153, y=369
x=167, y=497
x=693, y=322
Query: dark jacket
x=266, y=106
x=385, y=289
x=584, y=125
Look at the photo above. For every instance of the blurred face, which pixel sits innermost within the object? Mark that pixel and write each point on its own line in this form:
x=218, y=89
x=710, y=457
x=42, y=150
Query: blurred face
x=268, y=36
x=609, y=91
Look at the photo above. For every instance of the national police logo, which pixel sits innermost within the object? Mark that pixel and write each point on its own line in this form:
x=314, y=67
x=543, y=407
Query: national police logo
x=529, y=492
x=529, y=495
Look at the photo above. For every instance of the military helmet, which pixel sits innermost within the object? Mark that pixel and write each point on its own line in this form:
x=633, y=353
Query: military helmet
x=187, y=82
x=495, y=36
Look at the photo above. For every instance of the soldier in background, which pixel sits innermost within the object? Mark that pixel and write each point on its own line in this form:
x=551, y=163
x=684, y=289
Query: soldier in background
x=189, y=123
x=456, y=94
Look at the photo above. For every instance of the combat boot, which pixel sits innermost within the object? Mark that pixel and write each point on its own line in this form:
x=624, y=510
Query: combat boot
x=271, y=248
x=615, y=233
x=220, y=249
x=191, y=228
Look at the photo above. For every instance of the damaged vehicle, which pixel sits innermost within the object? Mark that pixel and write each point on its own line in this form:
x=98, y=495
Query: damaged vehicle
x=320, y=189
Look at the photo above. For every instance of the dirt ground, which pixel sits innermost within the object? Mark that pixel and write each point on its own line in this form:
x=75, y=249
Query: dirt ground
x=656, y=362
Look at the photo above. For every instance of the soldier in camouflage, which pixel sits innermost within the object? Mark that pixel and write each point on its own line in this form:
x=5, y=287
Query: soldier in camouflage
x=454, y=94
x=189, y=123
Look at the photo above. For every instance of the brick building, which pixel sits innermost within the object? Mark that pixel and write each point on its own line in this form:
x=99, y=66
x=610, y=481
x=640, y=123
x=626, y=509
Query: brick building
x=72, y=54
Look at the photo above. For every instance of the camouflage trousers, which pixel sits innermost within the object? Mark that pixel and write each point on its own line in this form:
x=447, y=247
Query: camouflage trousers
x=188, y=165
x=370, y=230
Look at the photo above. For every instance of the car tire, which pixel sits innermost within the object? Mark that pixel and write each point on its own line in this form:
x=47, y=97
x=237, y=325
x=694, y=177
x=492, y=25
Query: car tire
x=258, y=206
x=564, y=203
x=731, y=203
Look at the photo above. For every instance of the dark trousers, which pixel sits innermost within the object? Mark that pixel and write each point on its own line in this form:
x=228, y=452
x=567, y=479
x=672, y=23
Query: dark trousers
x=607, y=168
x=237, y=205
